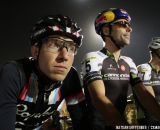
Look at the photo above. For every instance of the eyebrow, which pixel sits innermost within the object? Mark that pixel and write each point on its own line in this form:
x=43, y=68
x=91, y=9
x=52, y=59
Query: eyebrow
x=59, y=37
x=121, y=21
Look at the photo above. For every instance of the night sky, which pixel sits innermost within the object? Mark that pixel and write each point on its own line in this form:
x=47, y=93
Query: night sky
x=18, y=16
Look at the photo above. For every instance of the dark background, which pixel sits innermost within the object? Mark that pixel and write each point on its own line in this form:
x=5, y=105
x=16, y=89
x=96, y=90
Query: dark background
x=18, y=16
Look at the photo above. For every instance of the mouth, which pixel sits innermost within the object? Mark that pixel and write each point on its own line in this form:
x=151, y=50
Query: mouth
x=60, y=68
x=127, y=36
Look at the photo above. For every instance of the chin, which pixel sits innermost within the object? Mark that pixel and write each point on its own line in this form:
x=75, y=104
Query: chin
x=58, y=77
x=127, y=42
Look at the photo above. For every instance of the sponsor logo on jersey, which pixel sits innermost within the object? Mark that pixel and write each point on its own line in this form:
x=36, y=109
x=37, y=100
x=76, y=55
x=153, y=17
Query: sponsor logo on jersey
x=23, y=112
x=111, y=67
x=122, y=67
x=113, y=76
x=24, y=115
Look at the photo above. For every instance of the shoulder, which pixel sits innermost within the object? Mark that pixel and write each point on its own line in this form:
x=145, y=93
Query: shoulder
x=144, y=72
x=10, y=79
x=16, y=64
x=92, y=62
x=17, y=69
x=94, y=56
x=9, y=67
x=144, y=67
x=9, y=74
x=128, y=60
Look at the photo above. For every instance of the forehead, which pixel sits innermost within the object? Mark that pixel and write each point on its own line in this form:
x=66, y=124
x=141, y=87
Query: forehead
x=60, y=37
x=121, y=20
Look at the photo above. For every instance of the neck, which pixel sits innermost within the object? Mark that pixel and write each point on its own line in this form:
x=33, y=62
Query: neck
x=111, y=47
x=44, y=80
x=155, y=64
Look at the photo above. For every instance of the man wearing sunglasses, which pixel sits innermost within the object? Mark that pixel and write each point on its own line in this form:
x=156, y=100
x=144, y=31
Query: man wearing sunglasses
x=150, y=75
x=32, y=89
x=107, y=74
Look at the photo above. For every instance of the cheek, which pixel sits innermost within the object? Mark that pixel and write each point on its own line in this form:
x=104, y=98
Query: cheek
x=71, y=61
x=45, y=60
x=115, y=35
x=114, y=32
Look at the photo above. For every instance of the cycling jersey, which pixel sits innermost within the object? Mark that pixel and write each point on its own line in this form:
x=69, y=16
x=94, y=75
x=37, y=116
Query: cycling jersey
x=28, y=99
x=150, y=77
x=101, y=65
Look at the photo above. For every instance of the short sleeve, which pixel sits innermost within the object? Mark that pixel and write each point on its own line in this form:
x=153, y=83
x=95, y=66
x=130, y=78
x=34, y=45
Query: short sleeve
x=91, y=66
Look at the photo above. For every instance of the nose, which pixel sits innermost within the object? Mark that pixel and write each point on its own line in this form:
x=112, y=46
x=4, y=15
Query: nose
x=129, y=29
x=63, y=53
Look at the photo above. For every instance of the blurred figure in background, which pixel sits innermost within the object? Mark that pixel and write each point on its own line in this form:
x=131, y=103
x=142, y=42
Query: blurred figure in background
x=150, y=74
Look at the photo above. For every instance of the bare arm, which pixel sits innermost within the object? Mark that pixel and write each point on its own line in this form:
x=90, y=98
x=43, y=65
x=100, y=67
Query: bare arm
x=147, y=100
x=103, y=104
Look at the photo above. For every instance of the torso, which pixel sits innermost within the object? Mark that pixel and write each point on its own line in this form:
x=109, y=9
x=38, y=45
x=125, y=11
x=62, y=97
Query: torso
x=150, y=78
x=35, y=105
x=115, y=75
x=25, y=99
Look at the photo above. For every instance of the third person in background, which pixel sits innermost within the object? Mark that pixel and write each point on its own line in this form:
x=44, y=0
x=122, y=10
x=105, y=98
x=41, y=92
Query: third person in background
x=150, y=74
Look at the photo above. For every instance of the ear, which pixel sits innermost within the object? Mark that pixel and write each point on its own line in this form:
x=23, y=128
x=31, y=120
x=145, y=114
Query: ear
x=34, y=51
x=105, y=30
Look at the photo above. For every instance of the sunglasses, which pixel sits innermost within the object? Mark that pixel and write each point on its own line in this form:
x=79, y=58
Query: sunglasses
x=55, y=44
x=123, y=24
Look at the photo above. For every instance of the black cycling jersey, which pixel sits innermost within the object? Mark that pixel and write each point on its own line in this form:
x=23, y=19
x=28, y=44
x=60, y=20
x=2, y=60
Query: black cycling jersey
x=150, y=77
x=101, y=65
x=28, y=99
